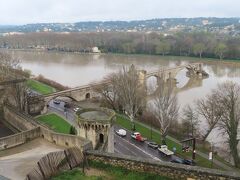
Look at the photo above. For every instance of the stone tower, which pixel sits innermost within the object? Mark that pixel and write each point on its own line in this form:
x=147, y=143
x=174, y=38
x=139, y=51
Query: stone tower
x=96, y=125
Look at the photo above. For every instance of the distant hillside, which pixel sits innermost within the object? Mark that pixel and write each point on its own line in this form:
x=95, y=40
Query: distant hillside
x=229, y=26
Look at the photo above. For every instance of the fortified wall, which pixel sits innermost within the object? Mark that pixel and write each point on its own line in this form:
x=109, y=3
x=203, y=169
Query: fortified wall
x=172, y=170
x=30, y=129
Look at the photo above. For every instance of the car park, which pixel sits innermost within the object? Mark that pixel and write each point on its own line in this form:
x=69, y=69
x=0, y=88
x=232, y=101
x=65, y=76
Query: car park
x=121, y=132
x=137, y=136
x=152, y=145
x=56, y=101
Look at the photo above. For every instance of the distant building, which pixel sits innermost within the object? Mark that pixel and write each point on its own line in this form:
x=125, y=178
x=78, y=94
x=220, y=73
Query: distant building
x=96, y=50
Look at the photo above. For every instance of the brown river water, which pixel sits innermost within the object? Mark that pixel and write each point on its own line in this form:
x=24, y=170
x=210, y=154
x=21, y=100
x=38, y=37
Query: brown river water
x=80, y=69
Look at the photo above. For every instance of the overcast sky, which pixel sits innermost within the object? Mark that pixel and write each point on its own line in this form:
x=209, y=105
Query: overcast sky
x=36, y=11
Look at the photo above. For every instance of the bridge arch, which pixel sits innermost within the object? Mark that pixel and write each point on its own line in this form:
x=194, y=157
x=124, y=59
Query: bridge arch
x=58, y=96
x=87, y=95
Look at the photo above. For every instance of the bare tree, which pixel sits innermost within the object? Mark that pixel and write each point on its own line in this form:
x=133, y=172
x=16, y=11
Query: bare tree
x=16, y=88
x=228, y=98
x=108, y=92
x=18, y=95
x=124, y=90
x=190, y=120
x=165, y=107
x=131, y=92
x=7, y=66
x=209, y=109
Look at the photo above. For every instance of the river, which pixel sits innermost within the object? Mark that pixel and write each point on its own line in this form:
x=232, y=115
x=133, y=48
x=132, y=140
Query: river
x=80, y=69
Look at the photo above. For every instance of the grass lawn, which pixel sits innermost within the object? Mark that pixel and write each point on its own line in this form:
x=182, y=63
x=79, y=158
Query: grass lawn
x=124, y=122
x=56, y=123
x=106, y=172
x=39, y=87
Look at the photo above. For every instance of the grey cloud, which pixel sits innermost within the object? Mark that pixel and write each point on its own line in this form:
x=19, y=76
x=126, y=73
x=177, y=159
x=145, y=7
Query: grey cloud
x=33, y=11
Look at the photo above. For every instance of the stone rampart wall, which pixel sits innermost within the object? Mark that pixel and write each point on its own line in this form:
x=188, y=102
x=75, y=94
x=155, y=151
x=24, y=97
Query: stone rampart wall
x=19, y=138
x=65, y=139
x=31, y=129
x=18, y=120
x=175, y=171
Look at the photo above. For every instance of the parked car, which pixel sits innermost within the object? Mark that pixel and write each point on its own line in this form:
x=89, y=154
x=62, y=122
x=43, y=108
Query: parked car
x=183, y=161
x=137, y=136
x=165, y=151
x=152, y=145
x=56, y=101
x=177, y=160
x=189, y=162
x=121, y=132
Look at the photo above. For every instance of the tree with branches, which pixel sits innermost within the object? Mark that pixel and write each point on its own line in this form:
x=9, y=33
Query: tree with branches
x=130, y=92
x=124, y=91
x=18, y=95
x=209, y=109
x=190, y=120
x=7, y=66
x=228, y=100
x=107, y=90
x=165, y=106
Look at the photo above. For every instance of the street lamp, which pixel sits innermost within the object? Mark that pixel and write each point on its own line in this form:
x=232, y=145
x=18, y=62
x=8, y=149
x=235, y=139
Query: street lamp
x=151, y=130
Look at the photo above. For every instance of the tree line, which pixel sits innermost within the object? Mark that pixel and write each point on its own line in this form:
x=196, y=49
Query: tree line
x=196, y=44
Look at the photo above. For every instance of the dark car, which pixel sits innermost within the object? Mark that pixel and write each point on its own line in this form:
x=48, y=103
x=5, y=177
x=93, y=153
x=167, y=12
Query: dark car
x=183, y=161
x=177, y=160
x=56, y=101
x=152, y=145
x=189, y=162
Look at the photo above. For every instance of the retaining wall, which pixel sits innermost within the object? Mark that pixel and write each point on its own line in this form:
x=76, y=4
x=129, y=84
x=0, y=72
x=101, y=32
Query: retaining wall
x=18, y=120
x=65, y=139
x=175, y=171
x=19, y=138
x=31, y=129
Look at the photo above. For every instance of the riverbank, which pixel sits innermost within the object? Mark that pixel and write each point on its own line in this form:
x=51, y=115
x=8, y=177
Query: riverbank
x=167, y=57
x=39, y=87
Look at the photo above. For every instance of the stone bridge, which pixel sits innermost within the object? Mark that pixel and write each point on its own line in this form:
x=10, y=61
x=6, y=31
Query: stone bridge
x=168, y=73
x=86, y=92
x=77, y=94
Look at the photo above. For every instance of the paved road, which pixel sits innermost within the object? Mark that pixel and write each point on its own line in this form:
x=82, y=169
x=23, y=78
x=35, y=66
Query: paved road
x=66, y=113
x=215, y=161
x=126, y=145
